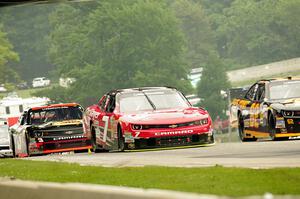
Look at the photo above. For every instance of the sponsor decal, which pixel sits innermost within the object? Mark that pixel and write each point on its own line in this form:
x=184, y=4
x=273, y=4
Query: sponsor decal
x=174, y=132
x=290, y=121
x=173, y=126
x=280, y=123
x=128, y=137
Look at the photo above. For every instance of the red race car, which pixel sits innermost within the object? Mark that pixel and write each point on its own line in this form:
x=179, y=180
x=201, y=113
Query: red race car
x=49, y=129
x=146, y=118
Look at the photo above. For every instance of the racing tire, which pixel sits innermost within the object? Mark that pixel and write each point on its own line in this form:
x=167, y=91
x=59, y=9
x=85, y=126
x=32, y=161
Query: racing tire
x=93, y=141
x=272, y=129
x=27, y=145
x=13, y=147
x=121, y=141
x=241, y=130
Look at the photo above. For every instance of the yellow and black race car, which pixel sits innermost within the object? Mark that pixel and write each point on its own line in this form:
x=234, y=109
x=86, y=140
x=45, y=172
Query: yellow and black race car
x=270, y=108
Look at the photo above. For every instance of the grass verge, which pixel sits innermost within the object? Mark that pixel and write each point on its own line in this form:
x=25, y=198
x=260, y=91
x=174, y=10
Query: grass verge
x=211, y=180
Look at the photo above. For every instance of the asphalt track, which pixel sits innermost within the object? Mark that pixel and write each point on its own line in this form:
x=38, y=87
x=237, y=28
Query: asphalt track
x=261, y=154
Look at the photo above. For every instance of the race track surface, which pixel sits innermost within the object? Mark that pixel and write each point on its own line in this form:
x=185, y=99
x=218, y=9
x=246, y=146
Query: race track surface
x=262, y=154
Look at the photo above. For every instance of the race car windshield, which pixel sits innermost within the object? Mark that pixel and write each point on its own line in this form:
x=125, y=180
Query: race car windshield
x=285, y=90
x=54, y=114
x=136, y=102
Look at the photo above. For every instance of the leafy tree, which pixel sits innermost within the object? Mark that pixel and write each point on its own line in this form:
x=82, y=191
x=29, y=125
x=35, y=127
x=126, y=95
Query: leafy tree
x=119, y=44
x=257, y=32
x=7, y=55
x=197, y=30
x=213, y=80
x=27, y=27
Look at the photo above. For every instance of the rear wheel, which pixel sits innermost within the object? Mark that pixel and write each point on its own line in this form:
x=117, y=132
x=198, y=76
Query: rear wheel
x=13, y=146
x=27, y=144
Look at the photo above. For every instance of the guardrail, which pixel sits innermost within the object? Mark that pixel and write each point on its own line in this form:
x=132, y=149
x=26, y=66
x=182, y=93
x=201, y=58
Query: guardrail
x=19, y=189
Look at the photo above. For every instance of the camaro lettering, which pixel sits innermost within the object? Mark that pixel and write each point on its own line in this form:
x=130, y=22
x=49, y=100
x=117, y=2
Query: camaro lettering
x=175, y=132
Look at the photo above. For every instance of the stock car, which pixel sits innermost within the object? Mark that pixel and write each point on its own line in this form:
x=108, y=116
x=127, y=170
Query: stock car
x=49, y=129
x=146, y=118
x=269, y=109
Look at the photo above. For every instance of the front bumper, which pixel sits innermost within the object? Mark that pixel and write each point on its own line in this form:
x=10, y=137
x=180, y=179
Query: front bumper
x=170, y=141
x=60, y=146
x=288, y=127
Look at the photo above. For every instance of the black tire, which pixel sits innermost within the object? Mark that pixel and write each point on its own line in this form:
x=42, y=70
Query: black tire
x=121, y=141
x=27, y=143
x=93, y=140
x=272, y=129
x=241, y=130
x=13, y=146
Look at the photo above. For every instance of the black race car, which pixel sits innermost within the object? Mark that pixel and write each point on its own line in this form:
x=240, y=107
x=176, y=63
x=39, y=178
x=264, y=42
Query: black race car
x=270, y=108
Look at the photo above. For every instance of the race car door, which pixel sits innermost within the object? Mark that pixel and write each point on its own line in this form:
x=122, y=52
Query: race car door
x=105, y=119
x=256, y=110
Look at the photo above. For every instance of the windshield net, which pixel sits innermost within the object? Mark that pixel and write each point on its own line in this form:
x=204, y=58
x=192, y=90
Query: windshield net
x=155, y=100
x=285, y=90
x=54, y=114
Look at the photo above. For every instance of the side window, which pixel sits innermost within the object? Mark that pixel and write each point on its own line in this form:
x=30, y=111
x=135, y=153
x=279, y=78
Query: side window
x=103, y=102
x=260, y=94
x=23, y=118
x=7, y=110
x=111, y=104
x=250, y=95
x=21, y=109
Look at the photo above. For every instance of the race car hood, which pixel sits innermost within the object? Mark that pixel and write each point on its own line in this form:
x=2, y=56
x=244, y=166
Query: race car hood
x=288, y=105
x=166, y=116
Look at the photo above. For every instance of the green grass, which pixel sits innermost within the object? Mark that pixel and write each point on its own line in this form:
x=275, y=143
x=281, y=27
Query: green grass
x=211, y=180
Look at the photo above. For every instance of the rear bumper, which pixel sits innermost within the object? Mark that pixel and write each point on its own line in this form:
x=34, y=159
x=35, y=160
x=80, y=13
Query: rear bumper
x=60, y=146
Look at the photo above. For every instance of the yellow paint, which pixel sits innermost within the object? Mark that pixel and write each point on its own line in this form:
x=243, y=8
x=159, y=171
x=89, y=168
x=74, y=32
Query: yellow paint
x=287, y=135
x=256, y=134
x=67, y=122
x=290, y=121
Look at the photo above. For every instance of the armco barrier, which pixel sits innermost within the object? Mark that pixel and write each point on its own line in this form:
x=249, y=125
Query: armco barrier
x=18, y=189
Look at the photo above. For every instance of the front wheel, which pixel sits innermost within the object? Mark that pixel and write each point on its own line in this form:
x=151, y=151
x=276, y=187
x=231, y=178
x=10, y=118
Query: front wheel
x=93, y=141
x=121, y=141
x=241, y=129
x=272, y=129
x=13, y=146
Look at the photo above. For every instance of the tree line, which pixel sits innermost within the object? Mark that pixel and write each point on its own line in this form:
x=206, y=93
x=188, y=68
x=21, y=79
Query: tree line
x=131, y=43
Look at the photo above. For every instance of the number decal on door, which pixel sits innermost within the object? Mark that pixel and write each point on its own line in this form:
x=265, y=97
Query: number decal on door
x=105, y=119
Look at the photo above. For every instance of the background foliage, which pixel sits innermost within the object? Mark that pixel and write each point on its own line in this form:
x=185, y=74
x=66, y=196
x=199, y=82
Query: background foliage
x=130, y=43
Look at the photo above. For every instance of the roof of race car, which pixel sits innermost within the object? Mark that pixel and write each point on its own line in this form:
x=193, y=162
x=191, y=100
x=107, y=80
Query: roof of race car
x=278, y=79
x=128, y=90
x=55, y=106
